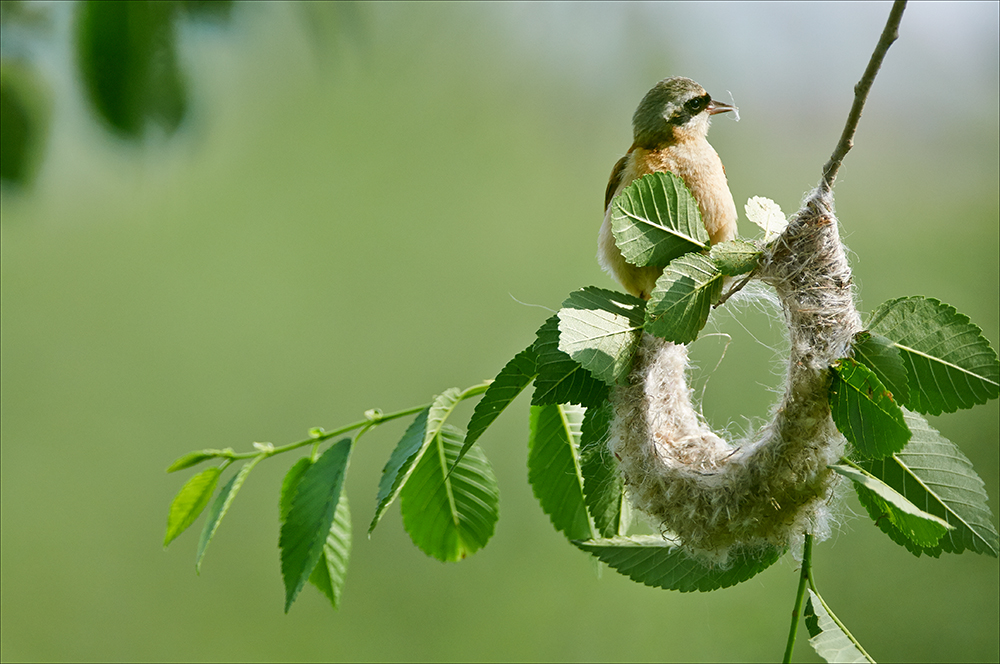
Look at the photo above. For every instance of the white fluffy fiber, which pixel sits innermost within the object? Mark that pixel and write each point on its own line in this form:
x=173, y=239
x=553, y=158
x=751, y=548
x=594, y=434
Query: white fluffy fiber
x=776, y=486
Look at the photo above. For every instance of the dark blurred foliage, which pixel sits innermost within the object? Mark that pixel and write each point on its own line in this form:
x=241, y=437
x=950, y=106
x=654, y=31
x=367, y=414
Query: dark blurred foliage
x=126, y=52
x=24, y=107
x=208, y=9
x=127, y=56
x=23, y=122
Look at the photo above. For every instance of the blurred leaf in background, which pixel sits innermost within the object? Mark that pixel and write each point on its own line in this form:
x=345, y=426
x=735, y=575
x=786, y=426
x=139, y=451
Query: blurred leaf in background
x=23, y=122
x=128, y=62
x=24, y=98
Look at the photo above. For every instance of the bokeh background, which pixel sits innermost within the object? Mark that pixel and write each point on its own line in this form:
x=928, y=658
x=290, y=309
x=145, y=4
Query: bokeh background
x=363, y=206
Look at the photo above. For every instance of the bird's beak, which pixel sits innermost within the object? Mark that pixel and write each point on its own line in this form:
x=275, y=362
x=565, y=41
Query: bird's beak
x=718, y=107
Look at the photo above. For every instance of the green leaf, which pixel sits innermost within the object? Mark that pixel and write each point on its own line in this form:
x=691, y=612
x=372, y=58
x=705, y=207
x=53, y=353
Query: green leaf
x=656, y=219
x=440, y=409
x=190, y=501
x=217, y=10
x=331, y=570
x=682, y=298
x=950, y=365
x=450, y=516
x=735, y=257
x=399, y=466
x=554, y=467
x=653, y=561
x=220, y=507
x=933, y=474
x=881, y=356
x=509, y=383
x=884, y=502
x=291, y=484
x=128, y=64
x=25, y=109
x=603, y=489
x=560, y=379
x=767, y=214
x=412, y=446
x=600, y=329
x=304, y=532
x=329, y=573
x=826, y=636
x=864, y=411
x=192, y=459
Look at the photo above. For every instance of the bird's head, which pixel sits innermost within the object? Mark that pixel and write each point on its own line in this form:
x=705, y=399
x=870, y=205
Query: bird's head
x=676, y=109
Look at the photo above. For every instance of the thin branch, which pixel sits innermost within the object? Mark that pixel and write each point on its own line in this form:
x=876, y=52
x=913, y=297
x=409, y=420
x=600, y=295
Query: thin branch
x=889, y=35
x=735, y=289
x=372, y=420
x=805, y=574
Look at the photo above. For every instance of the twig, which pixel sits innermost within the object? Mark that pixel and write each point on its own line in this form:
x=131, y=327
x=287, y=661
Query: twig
x=735, y=289
x=804, y=576
x=889, y=35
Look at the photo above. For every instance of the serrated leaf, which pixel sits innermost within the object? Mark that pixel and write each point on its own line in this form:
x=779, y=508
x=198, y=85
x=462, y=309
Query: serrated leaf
x=655, y=219
x=290, y=484
x=603, y=490
x=735, y=257
x=864, y=411
x=600, y=330
x=190, y=501
x=192, y=459
x=440, y=409
x=933, y=474
x=399, y=466
x=682, y=298
x=512, y=379
x=881, y=356
x=411, y=447
x=330, y=572
x=827, y=638
x=450, y=516
x=765, y=213
x=554, y=467
x=883, y=502
x=560, y=379
x=219, y=508
x=653, y=561
x=949, y=364
x=304, y=532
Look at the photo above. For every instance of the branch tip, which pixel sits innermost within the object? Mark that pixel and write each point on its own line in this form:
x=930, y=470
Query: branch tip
x=889, y=34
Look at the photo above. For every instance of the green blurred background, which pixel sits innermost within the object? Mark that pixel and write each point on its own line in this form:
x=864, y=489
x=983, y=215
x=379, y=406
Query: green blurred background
x=363, y=208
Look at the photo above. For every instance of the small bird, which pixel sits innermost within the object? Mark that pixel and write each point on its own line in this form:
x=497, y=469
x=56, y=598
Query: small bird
x=670, y=128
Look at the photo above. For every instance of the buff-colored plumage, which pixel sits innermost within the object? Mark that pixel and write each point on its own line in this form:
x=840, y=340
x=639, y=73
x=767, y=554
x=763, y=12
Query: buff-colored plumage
x=670, y=128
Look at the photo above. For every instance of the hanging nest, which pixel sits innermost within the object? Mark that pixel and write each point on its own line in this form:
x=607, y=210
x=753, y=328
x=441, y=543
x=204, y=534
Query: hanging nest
x=776, y=486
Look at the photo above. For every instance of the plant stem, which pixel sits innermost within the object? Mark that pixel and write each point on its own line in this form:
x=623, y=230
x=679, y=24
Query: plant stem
x=805, y=577
x=369, y=422
x=889, y=34
x=326, y=435
x=735, y=289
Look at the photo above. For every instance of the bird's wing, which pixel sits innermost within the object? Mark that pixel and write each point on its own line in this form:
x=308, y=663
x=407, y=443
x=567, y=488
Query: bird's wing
x=616, y=179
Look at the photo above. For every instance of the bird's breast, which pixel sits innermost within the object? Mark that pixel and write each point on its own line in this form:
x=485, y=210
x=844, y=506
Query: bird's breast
x=697, y=163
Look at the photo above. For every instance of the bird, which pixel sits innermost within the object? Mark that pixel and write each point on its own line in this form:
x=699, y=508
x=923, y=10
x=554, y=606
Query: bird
x=670, y=127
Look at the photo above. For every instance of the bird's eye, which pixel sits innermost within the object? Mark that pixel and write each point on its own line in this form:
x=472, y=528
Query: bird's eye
x=697, y=105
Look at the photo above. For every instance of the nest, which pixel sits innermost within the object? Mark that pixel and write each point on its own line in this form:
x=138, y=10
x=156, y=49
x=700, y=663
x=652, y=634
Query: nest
x=776, y=486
